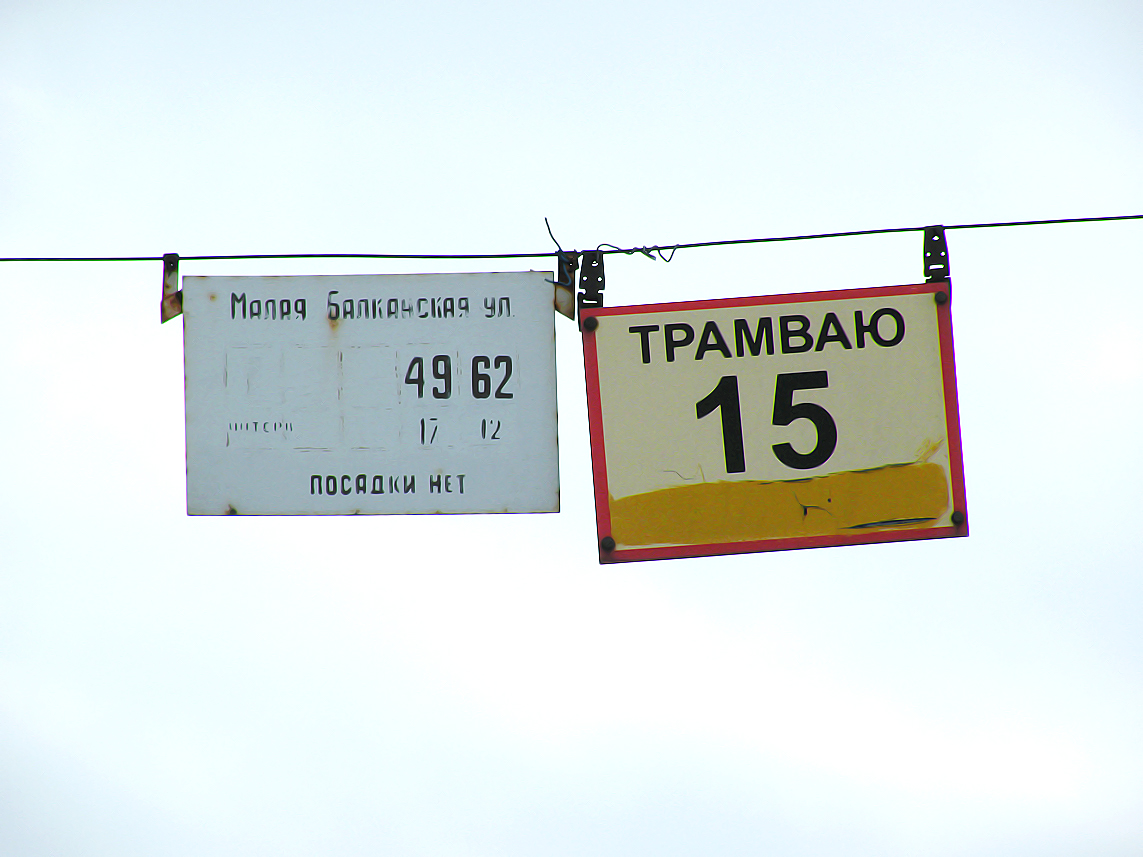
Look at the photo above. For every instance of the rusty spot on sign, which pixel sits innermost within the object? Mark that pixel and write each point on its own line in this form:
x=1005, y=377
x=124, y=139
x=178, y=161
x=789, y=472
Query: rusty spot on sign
x=565, y=301
x=171, y=307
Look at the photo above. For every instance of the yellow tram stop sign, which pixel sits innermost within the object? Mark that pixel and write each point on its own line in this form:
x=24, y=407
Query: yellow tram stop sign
x=772, y=423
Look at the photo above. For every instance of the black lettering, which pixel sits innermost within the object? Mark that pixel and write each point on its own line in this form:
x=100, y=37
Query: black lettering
x=417, y=379
x=422, y=313
x=489, y=307
x=392, y=309
x=363, y=308
x=347, y=308
x=460, y=479
x=442, y=371
x=862, y=327
x=448, y=484
x=300, y=308
x=331, y=485
x=378, y=486
x=435, y=484
x=744, y=340
x=644, y=331
x=394, y=487
x=897, y=336
x=831, y=323
x=362, y=483
x=504, y=362
x=724, y=398
x=786, y=323
x=672, y=343
x=872, y=327
x=786, y=412
x=284, y=312
x=346, y=484
x=315, y=485
x=332, y=309
x=255, y=309
x=235, y=300
x=481, y=381
x=462, y=306
x=711, y=340
x=504, y=308
x=272, y=310
x=410, y=485
x=448, y=309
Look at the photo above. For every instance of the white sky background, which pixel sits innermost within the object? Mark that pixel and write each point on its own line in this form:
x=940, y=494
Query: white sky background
x=480, y=686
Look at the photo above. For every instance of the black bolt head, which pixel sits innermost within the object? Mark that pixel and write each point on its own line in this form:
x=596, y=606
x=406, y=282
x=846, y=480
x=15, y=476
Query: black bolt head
x=590, y=323
x=941, y=298
x=607, y=543
x=958, y=519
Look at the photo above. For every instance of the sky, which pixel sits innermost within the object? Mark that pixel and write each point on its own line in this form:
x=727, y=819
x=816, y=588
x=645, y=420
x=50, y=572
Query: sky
x=480, y=685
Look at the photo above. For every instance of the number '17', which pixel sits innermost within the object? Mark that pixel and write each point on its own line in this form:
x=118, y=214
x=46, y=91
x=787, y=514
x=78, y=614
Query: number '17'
x=724, y=398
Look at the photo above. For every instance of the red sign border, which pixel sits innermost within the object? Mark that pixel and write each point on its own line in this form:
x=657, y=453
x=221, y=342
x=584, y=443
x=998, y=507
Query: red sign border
x=952, y=422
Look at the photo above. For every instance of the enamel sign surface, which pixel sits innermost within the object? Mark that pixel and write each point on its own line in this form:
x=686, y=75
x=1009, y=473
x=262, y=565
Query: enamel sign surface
x=342, y=395
x=770, y=423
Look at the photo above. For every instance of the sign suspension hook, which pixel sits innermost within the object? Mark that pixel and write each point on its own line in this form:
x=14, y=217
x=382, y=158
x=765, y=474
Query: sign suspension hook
x=172, y=303
x=936, y=261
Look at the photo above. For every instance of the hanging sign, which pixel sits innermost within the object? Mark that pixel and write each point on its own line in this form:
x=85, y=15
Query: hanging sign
x=770, y=423
x=341, y=395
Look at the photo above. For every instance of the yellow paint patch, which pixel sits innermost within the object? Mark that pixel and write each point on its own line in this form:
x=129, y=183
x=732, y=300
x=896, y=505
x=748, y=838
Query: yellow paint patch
x=718, y=512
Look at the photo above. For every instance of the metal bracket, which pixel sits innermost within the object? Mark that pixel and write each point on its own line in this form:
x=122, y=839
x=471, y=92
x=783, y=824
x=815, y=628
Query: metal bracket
x=564, y=282
x=591, y=281
x=172, y=304
x=936, y=255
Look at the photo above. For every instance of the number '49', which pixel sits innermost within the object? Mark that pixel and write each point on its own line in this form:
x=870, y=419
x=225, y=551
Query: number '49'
x=724, y=398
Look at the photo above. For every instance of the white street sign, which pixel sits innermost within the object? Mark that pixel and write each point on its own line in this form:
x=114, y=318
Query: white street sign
x=339, y=395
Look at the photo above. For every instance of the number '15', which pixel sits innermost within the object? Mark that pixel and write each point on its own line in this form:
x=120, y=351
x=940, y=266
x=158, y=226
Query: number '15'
x=724, y=398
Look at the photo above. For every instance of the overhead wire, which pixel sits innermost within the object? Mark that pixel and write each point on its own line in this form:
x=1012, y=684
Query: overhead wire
x=648, y=251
